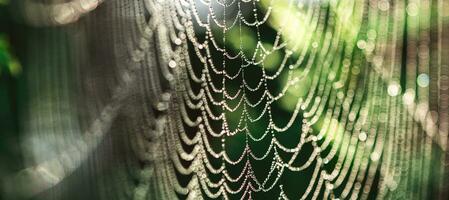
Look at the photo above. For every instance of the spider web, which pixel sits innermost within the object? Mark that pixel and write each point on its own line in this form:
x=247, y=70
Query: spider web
x=260, y=99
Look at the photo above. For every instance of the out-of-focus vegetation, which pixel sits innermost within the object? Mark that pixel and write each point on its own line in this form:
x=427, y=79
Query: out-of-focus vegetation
x=10, y=78
x=8, y=63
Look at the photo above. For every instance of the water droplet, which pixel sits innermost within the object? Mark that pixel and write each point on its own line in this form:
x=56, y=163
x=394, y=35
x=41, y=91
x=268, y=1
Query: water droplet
x=361, y=44
x=182, y=36
x=362, y=136
x=423, y=80
x=172, y=64
x=394, y=89
x=409, y=96
x=412, y=9
x=88, y=5
x=383, y=5
x=375, y=156
x=178, y=41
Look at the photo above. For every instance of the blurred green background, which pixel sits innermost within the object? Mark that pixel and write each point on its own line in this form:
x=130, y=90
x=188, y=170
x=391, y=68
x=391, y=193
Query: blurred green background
x=11, y=87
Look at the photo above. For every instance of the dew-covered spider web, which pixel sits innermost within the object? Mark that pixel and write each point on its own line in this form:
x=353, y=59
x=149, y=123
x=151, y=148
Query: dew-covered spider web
x=236, y=99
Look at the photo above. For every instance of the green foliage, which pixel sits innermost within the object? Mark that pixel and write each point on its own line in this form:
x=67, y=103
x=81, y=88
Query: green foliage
x=8, y=63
